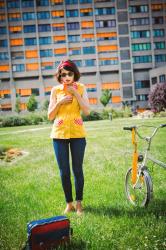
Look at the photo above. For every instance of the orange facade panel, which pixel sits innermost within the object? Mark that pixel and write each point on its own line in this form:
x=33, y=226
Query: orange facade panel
x=2, y=17
x=107, y=34
x=60, y=25
x=87, y=36
x=31, y=54
x=157, y=7
x=4, y=68
x=25, y=92
x=56, y=1
x=15, y=29
x=14, y=15
x=107, y=48
x=6, y=106
x=60, y=51
x=86, y=10
x=16, y=42
x=116, y=99
x=90, y=85
x=23, y=106
x=111, y=85
x=87, y=24
x=32, y=66
x=47, y=89
x=93, y=100
x=47, y=64
x=57, y=13
x=59, y=38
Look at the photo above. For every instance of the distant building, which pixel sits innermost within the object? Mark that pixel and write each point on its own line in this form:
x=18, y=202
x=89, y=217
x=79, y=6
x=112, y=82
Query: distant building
x=114, y=43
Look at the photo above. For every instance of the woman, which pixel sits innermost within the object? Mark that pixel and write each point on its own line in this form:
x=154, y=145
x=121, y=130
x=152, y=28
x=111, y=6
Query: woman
x=66, y=101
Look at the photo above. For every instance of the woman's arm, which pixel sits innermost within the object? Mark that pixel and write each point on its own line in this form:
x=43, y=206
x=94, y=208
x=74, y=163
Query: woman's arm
x=82, y=100
x=54, y=105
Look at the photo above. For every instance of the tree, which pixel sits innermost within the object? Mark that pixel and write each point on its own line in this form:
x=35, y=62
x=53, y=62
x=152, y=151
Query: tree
x=17, y=106
x=32, y=103
x=157, y=97
x=45, y=105
x=105, y=97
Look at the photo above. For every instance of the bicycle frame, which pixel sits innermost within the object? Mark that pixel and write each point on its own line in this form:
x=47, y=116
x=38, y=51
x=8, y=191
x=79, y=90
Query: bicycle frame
x=137, y=167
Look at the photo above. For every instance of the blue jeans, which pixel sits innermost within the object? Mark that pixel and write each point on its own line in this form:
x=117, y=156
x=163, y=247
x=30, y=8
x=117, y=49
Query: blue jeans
x=77, y=149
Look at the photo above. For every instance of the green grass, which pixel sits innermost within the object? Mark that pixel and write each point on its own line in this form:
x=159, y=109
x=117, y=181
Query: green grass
x=31, y=189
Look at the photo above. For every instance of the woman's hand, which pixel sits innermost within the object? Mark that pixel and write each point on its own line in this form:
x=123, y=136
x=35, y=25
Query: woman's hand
x=71, y=90
x=66, y=99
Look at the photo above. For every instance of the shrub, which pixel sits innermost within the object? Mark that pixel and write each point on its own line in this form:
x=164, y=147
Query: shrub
x=157, y=97
x=32, y=103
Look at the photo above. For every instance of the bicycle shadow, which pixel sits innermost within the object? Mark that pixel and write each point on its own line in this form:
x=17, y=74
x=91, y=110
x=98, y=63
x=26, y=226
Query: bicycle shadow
x=157, y=208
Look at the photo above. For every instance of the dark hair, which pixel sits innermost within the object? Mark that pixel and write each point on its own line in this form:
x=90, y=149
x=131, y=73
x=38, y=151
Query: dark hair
x=69, y=66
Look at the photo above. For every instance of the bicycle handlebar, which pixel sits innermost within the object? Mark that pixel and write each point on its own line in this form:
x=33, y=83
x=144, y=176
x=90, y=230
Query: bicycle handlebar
x=129, y=128
x=163, y=125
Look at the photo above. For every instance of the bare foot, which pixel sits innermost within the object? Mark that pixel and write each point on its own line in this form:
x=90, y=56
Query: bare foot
x=79, y=208
x=69, y=208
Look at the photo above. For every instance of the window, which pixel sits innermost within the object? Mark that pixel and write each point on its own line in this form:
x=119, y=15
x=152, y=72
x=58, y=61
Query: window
x=108, y=61
x=139, y=21
x=30, y=41
x=75, y=51
x=154, y=80
x=17, y=55
x=138, y=9
x=141, y=46
x=89, y=50
x=142, y=84
x=26, y=4
x=5, y=93
x=158, y=32
x=142, y=59
x=160, y=58
x=46, y=53
x=71, y=1
x=73, y=26
x=105, y=24
x=2, y=30
x=158, y=20
x=159, y=45
x=35, y=92
x=43, y=15
x=45, y=40
x=18, y=67
x=142, y=97
x=91, y=87
x=78, y=63
x=90, y=62
x=105, y=11
x=86, y=12
x=44, y=27
x=85, y=1
x=140, y=34
x=47, y=65
x=73, y=38
x=13, y=4
x=162, y=78
x=71, y=13
x=4, y=56
x=42, y=2
x=3, y=43
x=29, y=16
x=29, y=28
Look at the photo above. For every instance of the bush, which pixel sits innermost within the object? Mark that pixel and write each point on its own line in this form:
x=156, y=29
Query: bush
x=92, y=117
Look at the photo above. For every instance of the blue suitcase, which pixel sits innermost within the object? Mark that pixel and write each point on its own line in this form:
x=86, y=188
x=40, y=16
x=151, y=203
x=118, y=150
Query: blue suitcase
x=49, y=233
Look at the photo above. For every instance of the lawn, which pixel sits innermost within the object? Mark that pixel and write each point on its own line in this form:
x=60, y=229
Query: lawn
x=31, y=189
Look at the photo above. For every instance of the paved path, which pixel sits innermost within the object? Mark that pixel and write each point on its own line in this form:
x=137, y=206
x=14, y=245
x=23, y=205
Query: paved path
x=23, y=131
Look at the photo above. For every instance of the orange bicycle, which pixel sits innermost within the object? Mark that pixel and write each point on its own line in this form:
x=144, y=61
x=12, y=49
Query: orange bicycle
x=138, y=182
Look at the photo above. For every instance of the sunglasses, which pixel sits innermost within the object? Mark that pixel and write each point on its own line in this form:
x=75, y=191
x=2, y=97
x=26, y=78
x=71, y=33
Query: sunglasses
x=70, y=74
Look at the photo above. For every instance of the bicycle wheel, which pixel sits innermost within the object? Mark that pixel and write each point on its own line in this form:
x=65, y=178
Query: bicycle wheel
x=141, y=194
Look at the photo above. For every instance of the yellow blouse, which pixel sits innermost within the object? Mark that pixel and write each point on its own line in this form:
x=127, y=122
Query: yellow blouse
x=68, y=122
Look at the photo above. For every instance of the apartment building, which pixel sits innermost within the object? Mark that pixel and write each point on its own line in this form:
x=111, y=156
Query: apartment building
x=115, y=43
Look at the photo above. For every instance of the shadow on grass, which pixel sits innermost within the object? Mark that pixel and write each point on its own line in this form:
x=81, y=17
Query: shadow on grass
x=156, y=207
